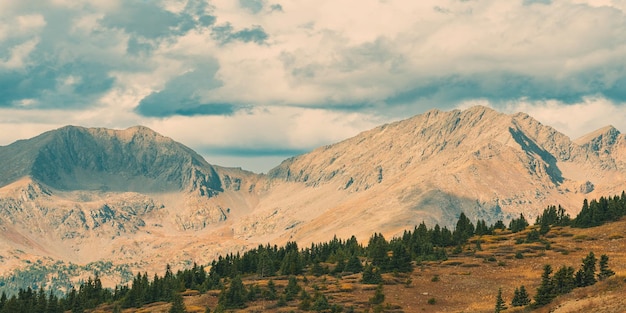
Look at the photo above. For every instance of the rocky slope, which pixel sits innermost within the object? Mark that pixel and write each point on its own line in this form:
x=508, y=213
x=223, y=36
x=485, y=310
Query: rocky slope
x=136, y=197
x=435, y=165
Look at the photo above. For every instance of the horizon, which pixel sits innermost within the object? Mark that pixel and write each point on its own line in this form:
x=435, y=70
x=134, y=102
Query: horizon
x=274, y=161
x=249, y=83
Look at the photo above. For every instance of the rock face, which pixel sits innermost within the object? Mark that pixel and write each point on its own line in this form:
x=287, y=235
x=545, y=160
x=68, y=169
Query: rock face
x=82, y=195
x=135, y=159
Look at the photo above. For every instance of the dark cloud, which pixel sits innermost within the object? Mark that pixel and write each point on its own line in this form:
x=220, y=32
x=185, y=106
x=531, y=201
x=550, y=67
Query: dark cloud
x=145, y=19
x=68, y=86
x=180, y=96
x=276, y=7
x=252, y=151
x=505, y=86
x=255, y=6
x=529, y=2
x=225, y=34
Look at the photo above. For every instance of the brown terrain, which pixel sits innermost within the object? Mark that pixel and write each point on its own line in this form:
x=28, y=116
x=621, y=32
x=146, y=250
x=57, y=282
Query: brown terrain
x=140, y=200
x=466, y=282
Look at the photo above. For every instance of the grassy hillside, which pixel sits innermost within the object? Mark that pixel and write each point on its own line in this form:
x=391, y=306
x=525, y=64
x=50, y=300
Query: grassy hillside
x=468, y=281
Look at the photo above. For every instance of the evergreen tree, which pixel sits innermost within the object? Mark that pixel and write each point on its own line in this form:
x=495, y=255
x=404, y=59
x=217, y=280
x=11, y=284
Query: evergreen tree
x=518, y=224
x=371, y=275
x=379, y=295
x=500, y=305
x=520, y=297
x=305, y=301
x=605, y=271
x=545, y=291
x=586, y=276
x=178, y=306
x=463, y=231
x=320, y=304
x=235, y=296
x=354, y=265
x=401, y=259
x=377, y=250
x=564, y=280
x=270, y=292
x=292, y=289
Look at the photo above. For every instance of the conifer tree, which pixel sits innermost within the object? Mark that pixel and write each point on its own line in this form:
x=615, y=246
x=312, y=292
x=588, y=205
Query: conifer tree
x=178, y=306
x=564, y=280
x=586, y=276
x=354, y=265
x=305, y=301
x=292, y=289
x=605, y=271
x=401, y=259
x=520, y=297
x=270, y=292
x=371, y=275
x=545, y=291
x=235, y=296
x=500, y=305
x=379, y=295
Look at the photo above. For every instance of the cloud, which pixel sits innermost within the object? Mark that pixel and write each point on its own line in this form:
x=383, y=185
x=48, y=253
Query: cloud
x=255, y=6
x=185, y=95
x=225, y=34
x=227, y=62
x=577, y=119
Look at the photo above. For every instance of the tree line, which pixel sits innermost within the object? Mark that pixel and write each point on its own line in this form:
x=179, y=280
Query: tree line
x=334, y=257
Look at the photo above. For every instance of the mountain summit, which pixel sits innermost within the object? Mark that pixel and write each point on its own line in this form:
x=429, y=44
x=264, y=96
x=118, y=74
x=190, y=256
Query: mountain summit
x=88, y=194
x=135, y=159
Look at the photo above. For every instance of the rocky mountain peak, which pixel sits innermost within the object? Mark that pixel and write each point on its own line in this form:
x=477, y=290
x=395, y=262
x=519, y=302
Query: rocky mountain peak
x=601, y=139
x=135, y=159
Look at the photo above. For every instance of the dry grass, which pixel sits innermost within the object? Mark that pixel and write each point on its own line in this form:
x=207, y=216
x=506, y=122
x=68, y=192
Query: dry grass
x=465, y=282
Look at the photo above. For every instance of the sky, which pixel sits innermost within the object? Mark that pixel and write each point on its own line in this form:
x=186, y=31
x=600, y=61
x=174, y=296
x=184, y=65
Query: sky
x=248, y=83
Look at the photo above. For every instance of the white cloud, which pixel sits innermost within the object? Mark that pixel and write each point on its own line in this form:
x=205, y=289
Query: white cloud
x=575, y=120
x=326, y=70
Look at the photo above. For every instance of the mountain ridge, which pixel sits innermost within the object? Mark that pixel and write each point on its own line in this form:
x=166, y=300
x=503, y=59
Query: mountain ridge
x=144, y=196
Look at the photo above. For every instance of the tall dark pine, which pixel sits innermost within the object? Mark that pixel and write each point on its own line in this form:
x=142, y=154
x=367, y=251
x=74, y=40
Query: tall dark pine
x=463, y=231
x=500, y=306
x=520, y=297
x=178, y=306
x=545, y=291
x=564, y=281
x=235, y=296
x=605, y=271
x=586, y=276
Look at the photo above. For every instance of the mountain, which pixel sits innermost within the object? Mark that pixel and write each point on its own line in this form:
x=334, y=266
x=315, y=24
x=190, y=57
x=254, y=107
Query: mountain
x=140, y=199
x=433, y=166
x=86, y=194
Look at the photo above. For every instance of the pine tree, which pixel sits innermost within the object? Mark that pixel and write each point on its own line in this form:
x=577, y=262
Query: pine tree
x=292, y=289
x=520, y=297
x=354, y=265
x=379, y=295
x=270, y=292
x=371, y=275
x=401, y=259
x=564, y=280
x=605, y=271
x=235, y=296
x=500, y=306
x=586, y=276
x=545, y=291
x=320, y=303
x=178, y=306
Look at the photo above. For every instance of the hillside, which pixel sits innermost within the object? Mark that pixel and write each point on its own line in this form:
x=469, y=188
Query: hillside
x=467, y=280
x=139, y=199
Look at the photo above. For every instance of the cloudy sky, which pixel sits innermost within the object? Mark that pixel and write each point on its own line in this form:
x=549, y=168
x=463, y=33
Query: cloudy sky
x=250, y=82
